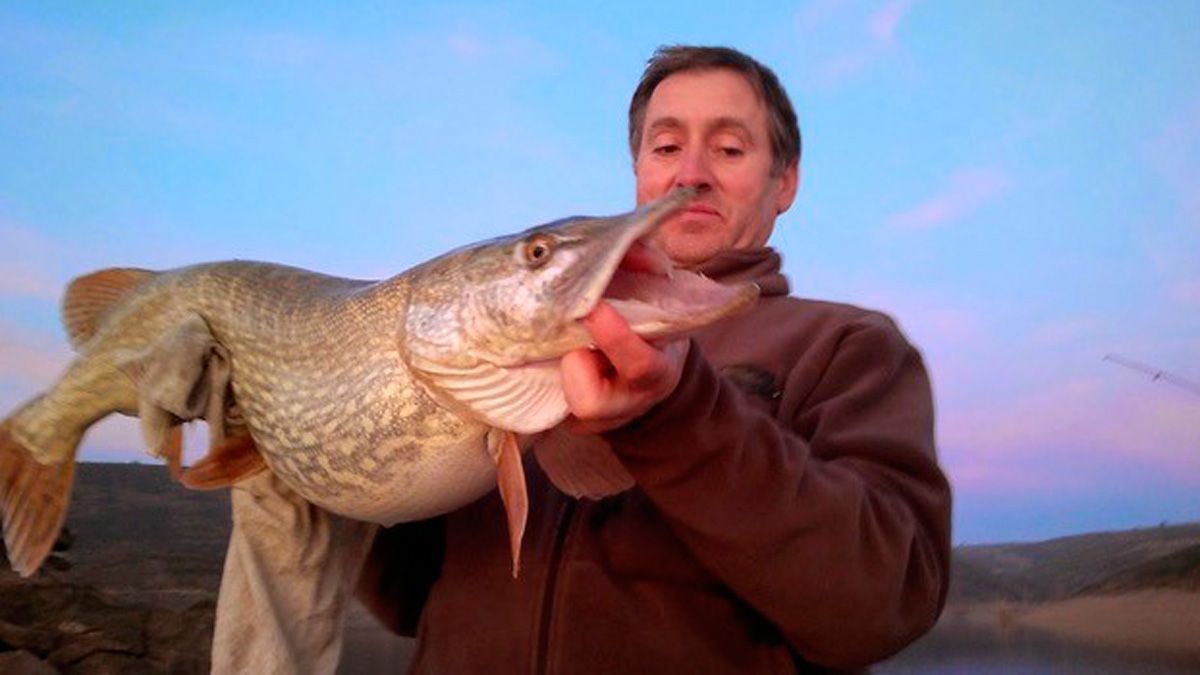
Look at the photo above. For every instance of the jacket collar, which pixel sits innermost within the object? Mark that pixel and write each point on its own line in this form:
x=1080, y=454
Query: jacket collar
x=760, y=265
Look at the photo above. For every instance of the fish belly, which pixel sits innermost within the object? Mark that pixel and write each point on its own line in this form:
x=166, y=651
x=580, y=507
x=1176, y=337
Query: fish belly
x=440, y=480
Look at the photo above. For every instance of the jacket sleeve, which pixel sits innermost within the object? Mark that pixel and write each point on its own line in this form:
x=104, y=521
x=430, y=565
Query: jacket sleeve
x=833, y=523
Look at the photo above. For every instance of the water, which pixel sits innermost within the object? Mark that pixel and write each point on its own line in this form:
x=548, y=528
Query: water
x=960, y=646
x=955, y=646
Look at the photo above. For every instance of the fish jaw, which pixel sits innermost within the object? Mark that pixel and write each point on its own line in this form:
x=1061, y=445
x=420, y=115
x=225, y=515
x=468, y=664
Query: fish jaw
x=660, y=307
x=629, y=248
x=638, y=280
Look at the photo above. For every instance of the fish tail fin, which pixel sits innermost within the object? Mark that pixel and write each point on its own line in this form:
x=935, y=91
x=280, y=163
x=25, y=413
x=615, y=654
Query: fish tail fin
x=33, y=501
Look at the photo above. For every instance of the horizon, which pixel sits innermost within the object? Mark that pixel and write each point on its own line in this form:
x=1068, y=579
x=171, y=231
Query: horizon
x=1014, y=183
x=152, y=463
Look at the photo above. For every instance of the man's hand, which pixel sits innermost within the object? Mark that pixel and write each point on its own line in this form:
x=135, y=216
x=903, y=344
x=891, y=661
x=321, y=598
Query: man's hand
x=622, y=378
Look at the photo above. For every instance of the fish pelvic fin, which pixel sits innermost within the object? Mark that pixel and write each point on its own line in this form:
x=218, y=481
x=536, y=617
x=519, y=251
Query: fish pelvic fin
x=232, y=460
x=90, y=298
x=33, y=501
x=505, y=450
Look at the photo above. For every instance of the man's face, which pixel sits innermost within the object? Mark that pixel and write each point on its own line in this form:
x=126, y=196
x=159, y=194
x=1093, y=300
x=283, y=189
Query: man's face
x=708, y=129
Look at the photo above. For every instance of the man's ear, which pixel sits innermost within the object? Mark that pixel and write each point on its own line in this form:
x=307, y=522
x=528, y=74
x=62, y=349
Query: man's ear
x=789, y=183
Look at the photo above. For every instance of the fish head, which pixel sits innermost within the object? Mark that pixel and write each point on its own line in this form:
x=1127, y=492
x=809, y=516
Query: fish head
x=508, y=308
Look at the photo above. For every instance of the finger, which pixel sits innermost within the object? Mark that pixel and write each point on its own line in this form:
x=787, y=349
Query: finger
x=635, y=360
x=585, y=383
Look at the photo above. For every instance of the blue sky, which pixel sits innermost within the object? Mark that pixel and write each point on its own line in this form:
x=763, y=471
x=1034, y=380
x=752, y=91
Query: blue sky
x=1018, y=183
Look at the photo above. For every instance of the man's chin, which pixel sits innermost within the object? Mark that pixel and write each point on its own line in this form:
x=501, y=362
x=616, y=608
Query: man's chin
x=689, y=251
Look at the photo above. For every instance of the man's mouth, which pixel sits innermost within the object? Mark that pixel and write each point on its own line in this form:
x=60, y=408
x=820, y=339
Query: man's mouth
x=700, y=210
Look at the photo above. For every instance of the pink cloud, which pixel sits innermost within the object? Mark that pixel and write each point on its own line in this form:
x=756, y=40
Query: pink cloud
x=26, y=258
x=31, y=359
x=871, y=40
x=966, y=192
x=1064, y=331
x=464, y=46
x=1014, y=442
x=1187, y=292
x=31, y=283
x=884, y=21
x=1173, y=154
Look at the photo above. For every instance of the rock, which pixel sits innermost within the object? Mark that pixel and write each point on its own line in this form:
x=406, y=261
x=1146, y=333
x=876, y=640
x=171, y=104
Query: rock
x=26, y=638
x=24, y=663
x=113, y=663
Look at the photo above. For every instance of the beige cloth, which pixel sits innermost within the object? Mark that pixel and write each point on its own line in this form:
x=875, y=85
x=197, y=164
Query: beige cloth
x=289, y=574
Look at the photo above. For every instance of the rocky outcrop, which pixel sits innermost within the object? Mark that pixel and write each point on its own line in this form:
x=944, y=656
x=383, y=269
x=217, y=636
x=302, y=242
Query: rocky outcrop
x=74, y=629
x=131, y=586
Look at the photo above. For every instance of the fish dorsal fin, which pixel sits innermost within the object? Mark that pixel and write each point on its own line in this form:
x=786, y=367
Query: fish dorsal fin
x=581, y=466
x=90, y=297
x=525, y=399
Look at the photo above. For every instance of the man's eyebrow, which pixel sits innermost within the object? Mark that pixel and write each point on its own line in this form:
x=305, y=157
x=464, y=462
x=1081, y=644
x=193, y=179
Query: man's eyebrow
x=664, y=123
x=718, y=124
x=734, y=123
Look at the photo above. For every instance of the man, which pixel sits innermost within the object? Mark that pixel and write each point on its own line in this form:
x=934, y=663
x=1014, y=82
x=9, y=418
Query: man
x=789, y=513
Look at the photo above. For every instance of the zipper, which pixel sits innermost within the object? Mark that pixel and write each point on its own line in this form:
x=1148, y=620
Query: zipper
x=562, y=531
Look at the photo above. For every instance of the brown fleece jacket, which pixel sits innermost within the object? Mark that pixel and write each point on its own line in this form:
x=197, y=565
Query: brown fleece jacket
x=789, y=516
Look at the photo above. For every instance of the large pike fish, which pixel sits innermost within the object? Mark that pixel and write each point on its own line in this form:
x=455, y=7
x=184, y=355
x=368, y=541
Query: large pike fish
x=383, y=401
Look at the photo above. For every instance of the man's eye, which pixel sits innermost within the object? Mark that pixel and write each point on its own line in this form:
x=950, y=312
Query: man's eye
x=666, y=149
x=730, y=151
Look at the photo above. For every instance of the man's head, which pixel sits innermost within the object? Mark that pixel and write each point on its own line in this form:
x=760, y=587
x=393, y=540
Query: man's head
x=717, y=120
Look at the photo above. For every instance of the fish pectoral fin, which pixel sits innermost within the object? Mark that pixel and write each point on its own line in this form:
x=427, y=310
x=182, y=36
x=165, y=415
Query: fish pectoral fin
x=510, y=478
x=33, y=502
x=581, y=466
x=181, y=376
x=234, y=459
x=90, y=298
x=525, y=399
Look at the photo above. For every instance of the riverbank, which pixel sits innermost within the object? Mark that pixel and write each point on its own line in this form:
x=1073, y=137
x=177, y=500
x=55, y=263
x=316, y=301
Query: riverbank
x=1160, y=621
x=1164, y=621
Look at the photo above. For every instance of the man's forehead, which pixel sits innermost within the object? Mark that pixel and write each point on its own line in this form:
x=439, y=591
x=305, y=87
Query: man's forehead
x=713, y=97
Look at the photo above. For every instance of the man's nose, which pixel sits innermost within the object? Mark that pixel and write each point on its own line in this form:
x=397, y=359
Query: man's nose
x=695, y=170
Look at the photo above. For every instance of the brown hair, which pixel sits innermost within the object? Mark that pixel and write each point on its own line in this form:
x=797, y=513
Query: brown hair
x=668, y=60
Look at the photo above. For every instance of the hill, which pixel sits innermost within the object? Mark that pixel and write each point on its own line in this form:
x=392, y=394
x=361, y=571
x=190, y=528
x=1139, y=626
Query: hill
x=1179, y=570
x=1154, y=557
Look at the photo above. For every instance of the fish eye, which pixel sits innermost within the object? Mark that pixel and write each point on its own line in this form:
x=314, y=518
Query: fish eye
x=536, y=250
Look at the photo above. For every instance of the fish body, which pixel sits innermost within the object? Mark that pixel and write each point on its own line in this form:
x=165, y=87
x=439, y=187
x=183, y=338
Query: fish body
x=381, y=401
x=320, y=380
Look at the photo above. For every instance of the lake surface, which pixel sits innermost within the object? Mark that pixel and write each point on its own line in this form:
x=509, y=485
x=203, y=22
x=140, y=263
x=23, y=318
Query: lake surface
x=960, y=646
x=955, y=646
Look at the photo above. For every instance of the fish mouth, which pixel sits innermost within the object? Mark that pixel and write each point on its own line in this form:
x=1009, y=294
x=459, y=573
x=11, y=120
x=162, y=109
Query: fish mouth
x=668, y=301
x=656, y=298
